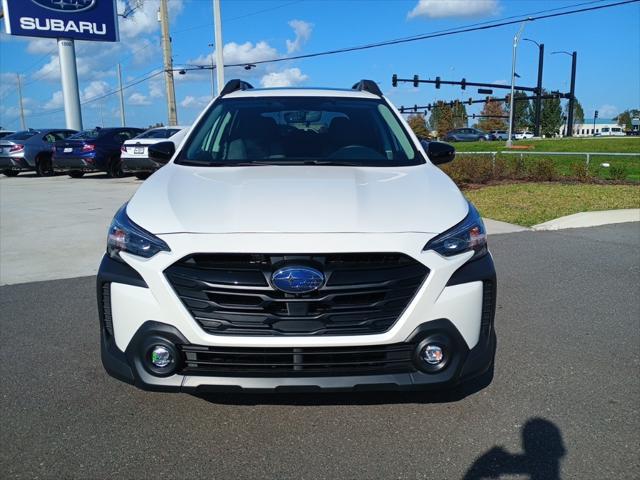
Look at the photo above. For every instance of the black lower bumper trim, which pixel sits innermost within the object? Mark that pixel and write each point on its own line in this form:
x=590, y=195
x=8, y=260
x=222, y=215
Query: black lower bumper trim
x=139, y=165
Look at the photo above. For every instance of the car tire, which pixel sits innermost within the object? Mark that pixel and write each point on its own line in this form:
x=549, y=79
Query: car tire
x=143, y=176
x=10, y=173
x=115, y=168
x=76, y=174
x=482, y=139
x=44, y=166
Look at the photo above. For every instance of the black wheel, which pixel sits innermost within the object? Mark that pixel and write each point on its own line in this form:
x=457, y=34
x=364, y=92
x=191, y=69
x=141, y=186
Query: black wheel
x=115, y=168
x=44, y=167
x=143, y=176
x=76, y=174
x=11, y=173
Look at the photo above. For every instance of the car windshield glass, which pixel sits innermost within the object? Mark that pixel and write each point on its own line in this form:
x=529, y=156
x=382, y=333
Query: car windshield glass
x=159, y=133
x=299, y=130
x=86, y=135
x=21, y=135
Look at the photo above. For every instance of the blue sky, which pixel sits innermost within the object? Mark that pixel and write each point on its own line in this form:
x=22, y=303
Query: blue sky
x=607, y=41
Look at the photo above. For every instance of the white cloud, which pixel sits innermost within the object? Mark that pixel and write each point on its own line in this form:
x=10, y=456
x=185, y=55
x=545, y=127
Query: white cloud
x=138, y=99
x=454, y=8
x=56, y=101
x=195, y=102
x=608, y=111
x=95, y=89
x=303, y=31
x=144, y=20
x=285, y=78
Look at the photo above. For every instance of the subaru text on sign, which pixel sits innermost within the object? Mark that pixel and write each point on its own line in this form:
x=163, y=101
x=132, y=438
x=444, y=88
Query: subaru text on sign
x=93, y=20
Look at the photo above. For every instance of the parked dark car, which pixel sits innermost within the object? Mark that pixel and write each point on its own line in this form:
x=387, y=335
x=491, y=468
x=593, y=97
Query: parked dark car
x=4, y=133
x=466, y=135
x=12, y=160
x=39, y=149
x=96, y=150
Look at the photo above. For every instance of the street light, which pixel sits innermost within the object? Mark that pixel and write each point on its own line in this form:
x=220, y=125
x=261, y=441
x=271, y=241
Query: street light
x=516, y=39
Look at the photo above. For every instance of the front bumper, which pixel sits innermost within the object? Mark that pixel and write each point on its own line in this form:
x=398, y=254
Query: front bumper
x=16, y=164
x=69, y=164
x=137, y=303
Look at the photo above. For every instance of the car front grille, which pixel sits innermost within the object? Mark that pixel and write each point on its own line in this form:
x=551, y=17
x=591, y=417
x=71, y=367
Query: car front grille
x=291, y=362
x=231, y=294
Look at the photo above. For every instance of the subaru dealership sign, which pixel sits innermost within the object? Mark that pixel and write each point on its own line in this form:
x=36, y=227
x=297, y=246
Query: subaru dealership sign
x=93, y=20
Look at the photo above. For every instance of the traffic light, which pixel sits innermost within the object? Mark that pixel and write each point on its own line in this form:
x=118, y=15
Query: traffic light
x=415, y=80
x=394, y=80
x=437, y=82
x=470, y=101
x=463, y=84
x=596, y=115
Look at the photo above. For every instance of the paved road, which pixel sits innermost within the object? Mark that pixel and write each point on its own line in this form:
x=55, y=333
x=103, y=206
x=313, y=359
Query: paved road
x=565, y=394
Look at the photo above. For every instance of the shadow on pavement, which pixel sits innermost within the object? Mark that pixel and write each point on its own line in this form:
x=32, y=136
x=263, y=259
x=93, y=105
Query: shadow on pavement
x=351, y=398
x=543, y=449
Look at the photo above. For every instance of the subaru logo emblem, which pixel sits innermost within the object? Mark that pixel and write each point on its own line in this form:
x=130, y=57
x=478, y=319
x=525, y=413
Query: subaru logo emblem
x=70, y=6
x=297, y=279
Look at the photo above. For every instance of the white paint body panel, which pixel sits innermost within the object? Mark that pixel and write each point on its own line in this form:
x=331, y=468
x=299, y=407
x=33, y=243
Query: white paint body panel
x=297, y=209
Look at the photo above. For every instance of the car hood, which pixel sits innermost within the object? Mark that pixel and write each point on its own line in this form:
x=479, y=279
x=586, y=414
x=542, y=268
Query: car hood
x=297, y=199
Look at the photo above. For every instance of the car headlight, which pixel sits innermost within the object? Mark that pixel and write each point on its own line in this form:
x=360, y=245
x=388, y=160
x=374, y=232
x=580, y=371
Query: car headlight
x=126, y=236
x=468, y=235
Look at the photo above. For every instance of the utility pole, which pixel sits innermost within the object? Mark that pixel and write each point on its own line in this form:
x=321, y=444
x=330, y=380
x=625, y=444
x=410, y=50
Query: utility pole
x=516, y=39
x=123, y=120
x=572, y=93
x=213, y=87
x=168, y=64
x=217, y=26
x=70, y=89
x=23, y=124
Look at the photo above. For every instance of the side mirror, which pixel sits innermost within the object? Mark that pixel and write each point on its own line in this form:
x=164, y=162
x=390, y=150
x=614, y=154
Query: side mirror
x=439, y=152
x=161, y=152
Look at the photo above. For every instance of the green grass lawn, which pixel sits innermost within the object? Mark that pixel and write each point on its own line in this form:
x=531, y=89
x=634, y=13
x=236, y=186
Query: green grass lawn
x=587, y=144
x=528, y=204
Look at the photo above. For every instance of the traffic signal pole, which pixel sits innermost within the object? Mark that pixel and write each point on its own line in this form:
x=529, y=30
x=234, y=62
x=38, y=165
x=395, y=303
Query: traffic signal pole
x=538, y=111
x=572, y=94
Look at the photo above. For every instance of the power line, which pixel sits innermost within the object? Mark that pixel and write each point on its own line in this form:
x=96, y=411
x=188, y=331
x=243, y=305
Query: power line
x=427, y=36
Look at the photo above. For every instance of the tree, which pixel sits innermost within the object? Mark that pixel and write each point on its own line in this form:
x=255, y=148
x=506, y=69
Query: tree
x=459, y=115
x=441, y=118
x=521, y=108
x=578, y=112
x=418, y=125
x=624, y=119
x=493, y=109
x=551, y=116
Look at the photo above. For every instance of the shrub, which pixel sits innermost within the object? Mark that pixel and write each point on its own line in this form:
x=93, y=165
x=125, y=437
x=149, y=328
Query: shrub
x=543, y=170
x=618, y=172
x=581, y=171
x=470, y=169
x=516, y=168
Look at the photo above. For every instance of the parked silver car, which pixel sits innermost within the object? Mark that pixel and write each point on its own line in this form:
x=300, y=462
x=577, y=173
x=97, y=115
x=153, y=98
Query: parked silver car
x=30, y=150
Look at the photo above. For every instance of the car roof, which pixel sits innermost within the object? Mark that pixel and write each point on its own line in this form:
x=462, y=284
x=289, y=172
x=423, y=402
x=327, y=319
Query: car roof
x=301, y=92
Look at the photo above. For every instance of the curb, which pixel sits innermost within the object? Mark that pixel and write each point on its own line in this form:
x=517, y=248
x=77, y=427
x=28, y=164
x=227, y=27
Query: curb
x=590, y=219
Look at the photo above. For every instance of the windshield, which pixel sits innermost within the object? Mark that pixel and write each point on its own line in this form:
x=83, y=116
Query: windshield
x=24, y=135
x=159, y=133
x=86, y=135
x=299, y=130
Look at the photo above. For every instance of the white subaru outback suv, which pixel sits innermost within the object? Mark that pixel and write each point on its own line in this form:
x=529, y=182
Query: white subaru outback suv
x=297, y=239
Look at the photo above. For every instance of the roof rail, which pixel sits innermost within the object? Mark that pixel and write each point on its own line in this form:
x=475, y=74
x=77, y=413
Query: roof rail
x=235, y=85
x=367, y=86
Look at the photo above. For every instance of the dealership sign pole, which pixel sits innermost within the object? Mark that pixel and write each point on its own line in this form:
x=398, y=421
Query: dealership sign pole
x=66, y=21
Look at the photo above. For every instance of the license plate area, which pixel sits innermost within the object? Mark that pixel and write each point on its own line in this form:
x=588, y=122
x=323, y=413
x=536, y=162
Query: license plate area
x=68, y=149
x=138, y=150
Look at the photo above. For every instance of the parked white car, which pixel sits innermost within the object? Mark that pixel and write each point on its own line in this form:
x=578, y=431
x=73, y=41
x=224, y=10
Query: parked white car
x=134, y=152
x=611, y=132
x=298, y=239
x=522, y=135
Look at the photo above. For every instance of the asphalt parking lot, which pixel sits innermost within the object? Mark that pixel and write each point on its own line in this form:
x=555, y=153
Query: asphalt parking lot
x=563, y=402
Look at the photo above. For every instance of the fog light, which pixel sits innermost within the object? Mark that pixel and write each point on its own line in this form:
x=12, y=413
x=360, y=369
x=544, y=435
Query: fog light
x=432, y=354
x=161, y=356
